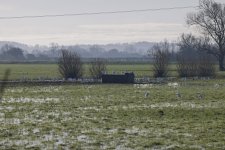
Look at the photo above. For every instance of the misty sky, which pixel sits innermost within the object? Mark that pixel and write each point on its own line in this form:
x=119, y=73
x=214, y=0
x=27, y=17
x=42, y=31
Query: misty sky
x=100, y=29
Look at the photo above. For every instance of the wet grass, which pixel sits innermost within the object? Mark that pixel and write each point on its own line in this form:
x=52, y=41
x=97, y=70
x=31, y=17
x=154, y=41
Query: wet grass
x=114, y=116
x=50, y=71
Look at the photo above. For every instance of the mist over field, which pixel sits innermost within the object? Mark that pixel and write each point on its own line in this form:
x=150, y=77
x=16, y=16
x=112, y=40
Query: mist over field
x=117, y=50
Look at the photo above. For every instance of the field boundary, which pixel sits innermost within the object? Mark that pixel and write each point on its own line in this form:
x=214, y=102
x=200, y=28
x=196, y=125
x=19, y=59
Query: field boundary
x=145, y=80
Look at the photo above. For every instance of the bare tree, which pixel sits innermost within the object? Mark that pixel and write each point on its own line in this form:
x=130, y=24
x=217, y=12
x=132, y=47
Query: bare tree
x=98, y=66
x=70, y=65
x=191, y=61
x=186, y=66
x=160, y=59
x=211, y=21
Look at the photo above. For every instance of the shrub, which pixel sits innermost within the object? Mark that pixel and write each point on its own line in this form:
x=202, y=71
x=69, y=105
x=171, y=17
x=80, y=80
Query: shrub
x=201, y=66
x=98, y=66
x=70, y=65
x=160, y=59
x=206, y=66
x=186, y=67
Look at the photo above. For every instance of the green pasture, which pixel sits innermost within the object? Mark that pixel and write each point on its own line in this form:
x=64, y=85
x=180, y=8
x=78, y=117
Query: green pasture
x=34, y=71
x=50, y=71
x=183, y=115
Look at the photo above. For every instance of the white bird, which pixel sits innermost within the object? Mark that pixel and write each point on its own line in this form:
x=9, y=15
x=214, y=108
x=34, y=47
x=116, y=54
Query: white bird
x=178, y=95
x=200, y=95
x=146, y=94
x=216, y=86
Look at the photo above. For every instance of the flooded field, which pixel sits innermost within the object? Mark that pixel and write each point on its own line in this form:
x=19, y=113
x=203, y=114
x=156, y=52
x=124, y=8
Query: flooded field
x=176, y=115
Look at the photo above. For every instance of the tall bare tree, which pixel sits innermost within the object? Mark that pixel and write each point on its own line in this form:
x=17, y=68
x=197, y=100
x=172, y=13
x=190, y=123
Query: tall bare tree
x=98, y=66
x=160, y=59
x=211, y=21
x=70, y=65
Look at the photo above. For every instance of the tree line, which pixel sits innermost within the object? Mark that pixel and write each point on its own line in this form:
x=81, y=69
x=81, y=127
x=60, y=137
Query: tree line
x=52, y=52
x=15, y=54
x=196, y=54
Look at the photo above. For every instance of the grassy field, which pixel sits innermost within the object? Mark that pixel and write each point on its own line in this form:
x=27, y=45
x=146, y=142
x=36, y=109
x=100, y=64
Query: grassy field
x=36, y=71
x=114, y=116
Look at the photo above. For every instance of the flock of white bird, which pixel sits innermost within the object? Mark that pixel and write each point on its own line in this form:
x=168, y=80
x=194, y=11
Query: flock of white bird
x=175, y=85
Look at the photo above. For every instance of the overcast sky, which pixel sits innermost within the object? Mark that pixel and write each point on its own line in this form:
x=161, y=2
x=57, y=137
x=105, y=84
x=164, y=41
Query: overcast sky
x=99, y=29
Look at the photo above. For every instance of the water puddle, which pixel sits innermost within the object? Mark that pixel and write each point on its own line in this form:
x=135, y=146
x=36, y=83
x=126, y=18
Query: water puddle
x=30, y=100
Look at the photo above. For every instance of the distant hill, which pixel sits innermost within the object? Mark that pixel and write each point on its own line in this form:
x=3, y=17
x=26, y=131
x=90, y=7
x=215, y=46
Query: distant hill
x=139, y=47
x=15, y=44
x=115, y=50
